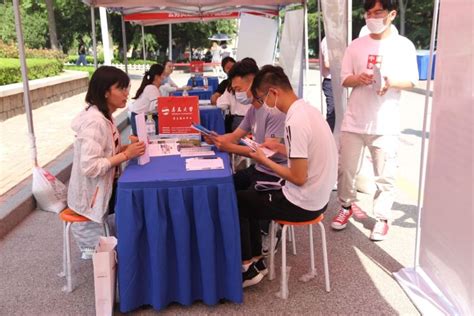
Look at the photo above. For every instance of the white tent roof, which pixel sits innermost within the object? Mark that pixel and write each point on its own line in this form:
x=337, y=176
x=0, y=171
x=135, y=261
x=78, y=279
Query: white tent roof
x=196, y=5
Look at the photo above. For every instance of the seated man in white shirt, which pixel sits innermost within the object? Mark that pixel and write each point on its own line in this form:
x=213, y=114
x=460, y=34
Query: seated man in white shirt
x=310, y=175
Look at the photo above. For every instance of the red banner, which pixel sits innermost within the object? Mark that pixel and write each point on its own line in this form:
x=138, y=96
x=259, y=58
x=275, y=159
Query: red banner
x=176, y=16
x=197, y=66
x=176, y=114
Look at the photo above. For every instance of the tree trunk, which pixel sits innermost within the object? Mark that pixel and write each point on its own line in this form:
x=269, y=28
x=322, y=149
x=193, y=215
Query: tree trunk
x=53, y=37
x=402, y=10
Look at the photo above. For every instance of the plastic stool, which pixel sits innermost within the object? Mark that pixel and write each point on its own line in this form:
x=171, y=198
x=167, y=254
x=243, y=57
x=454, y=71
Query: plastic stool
x=69, y=217
x=312, y=273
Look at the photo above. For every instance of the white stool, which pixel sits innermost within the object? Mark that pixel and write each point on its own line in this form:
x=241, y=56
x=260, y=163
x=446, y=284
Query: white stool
x=312, y=273
x=69, y=217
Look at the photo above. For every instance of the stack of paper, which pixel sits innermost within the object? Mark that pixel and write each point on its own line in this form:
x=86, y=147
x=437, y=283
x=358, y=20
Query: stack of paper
x=204, y=163
x=197, y=151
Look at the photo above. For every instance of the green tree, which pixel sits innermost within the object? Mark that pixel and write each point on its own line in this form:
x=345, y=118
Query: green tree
x=34, y=23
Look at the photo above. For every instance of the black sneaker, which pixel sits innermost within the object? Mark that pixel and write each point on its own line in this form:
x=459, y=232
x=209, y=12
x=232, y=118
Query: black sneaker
x=261, y=266
x=251, y=276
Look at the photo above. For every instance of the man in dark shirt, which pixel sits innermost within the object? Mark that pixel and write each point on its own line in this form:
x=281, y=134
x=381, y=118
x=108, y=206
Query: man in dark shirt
x=226, y=64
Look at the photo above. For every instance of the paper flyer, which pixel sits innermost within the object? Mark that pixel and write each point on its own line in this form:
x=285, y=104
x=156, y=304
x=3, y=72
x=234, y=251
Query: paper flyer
x=143, y=137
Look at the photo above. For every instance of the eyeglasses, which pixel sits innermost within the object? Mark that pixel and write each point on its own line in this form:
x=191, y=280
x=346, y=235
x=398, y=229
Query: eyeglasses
x=375, y=14
x=261, y=100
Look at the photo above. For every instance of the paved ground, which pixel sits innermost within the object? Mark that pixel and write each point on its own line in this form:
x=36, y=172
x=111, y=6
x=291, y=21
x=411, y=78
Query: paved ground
x=360, y=269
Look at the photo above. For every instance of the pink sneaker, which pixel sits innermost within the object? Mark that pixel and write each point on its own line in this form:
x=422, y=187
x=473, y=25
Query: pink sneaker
x=340, y=221
x=380, y=230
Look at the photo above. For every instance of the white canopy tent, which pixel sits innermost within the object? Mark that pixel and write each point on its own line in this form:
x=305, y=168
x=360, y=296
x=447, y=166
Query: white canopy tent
x=440, y=257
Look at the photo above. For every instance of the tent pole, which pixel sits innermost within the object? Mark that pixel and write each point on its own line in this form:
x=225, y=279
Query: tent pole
x=421, y=178
x=94, y=40
x=305, y=71
x=104, y=29
x=143, y=45
x=349, y=22
x=170, y=42
x=124, y=41
x=277, y=41
x=320, y=57
x=24, y=76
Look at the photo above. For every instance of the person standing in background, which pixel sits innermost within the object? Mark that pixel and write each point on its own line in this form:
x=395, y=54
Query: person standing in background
x=376, y=66
x=227, y=63
x=327, y=85
x=81, y=51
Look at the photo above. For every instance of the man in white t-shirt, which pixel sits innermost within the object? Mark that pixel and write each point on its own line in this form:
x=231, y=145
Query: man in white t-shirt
x=310, y=175
x=376, y=66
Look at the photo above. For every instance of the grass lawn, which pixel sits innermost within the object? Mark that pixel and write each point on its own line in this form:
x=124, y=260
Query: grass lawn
x=89, y=69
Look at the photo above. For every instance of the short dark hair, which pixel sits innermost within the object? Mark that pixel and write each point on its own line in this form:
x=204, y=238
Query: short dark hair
x=101, y=81
x=149, y=77
x=270, y=76
x=247, y=66
x=227, y=60
x=389, y=5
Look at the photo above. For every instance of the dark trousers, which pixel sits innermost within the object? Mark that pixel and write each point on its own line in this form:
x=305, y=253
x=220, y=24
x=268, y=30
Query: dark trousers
x=245, y=179
x=330, y=112
x=269, y=205
x=231, y=122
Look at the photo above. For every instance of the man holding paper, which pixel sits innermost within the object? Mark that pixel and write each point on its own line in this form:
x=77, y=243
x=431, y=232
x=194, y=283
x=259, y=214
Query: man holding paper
x=310, y=175
x=264, y=125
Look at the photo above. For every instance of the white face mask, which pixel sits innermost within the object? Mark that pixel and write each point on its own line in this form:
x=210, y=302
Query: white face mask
x=242, y=97
x=376, y=26
x=272, y=109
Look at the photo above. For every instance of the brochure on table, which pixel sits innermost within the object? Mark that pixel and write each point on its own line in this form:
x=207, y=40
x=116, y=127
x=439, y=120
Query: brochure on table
x=143, y=137
x=204, y=163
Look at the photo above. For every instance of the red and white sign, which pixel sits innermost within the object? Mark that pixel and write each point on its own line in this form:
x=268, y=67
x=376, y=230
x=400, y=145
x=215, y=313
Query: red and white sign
x=176, y=114
x=197, y=66
x=175, y=17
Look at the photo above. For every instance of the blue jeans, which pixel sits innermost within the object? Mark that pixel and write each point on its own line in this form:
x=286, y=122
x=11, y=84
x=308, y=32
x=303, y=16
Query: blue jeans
x=330, y=112
x=81, y=60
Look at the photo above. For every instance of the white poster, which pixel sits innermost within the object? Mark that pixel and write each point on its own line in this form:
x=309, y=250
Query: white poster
x=257, y=38
x=291, y=48
x=446, y=220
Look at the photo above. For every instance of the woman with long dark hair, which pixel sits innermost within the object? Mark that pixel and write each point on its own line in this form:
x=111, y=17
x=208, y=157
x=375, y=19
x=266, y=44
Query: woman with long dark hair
x=98, y=153
x=148, y=93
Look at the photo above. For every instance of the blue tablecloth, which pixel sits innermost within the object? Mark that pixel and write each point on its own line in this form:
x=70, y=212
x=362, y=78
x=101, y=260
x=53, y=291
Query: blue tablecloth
x=178, y=235
x=203, y=94
x=212, y=82
x=211, y=118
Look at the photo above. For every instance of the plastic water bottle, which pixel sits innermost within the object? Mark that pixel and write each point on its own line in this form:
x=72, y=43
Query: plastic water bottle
x=205, y=83
x=150, y=125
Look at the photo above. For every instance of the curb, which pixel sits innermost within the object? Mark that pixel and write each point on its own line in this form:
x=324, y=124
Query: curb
x=19, y=202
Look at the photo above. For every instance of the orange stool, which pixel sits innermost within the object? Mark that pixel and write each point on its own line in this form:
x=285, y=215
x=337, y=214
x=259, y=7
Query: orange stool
x=312, y=273
x=69, y=217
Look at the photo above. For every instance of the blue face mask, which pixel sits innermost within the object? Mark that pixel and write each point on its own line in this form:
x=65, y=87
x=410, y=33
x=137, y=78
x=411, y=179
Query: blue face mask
x=242, y=97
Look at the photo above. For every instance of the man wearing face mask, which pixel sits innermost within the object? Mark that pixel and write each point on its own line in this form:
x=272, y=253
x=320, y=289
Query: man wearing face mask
x=310, y=174
x=236, y=102
x=266, y=125
x=376, y=67
x=263, y=123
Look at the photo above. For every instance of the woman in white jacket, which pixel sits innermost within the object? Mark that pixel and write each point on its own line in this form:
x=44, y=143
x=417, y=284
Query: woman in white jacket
x=146, y=98
x=98, y=152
